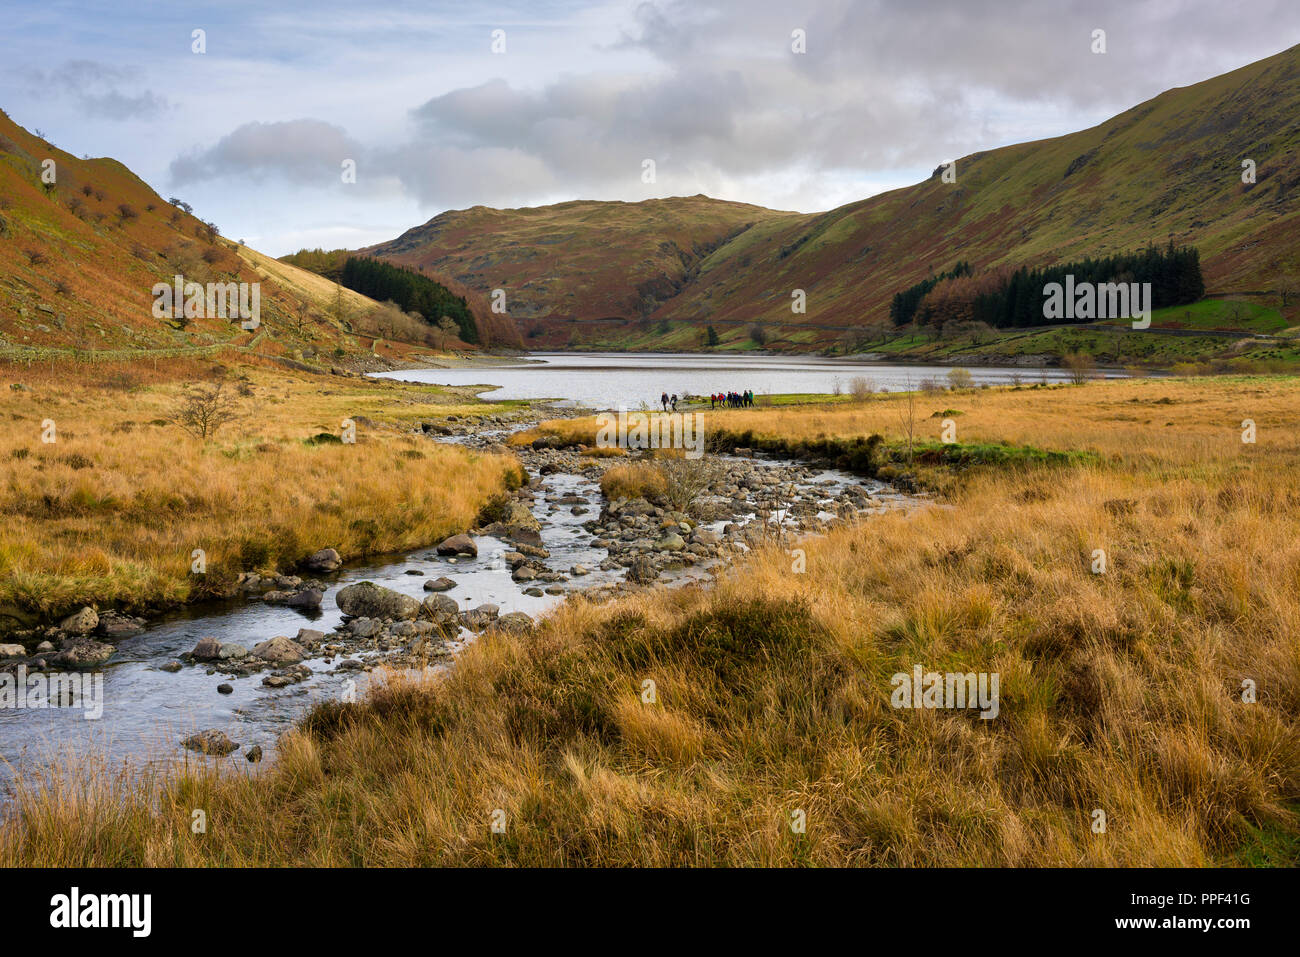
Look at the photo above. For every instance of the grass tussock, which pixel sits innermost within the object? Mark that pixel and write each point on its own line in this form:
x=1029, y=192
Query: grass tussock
x=692, y=726
x=112, y=509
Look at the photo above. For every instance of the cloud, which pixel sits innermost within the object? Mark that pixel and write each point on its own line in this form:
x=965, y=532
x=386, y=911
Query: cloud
x=709, y=89
x=301, y=151
x=94, y=87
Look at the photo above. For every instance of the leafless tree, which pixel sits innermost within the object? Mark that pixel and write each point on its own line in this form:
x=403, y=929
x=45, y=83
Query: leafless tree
x=907, y=419
x=446, y=330
x=1288, y=287
x=205, y=409
x=1079, y=365
x=685, y=479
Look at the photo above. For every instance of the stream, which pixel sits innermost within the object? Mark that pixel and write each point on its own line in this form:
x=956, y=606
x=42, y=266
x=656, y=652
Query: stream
x=147, y=711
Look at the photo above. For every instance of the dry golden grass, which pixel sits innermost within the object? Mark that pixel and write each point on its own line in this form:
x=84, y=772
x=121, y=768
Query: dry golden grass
x=632, y=480
x=112, y=510
x=1120, y=692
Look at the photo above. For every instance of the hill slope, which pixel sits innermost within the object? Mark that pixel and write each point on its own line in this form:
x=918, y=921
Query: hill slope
x=1170, y=167
x=584, y=260
x=79, y=258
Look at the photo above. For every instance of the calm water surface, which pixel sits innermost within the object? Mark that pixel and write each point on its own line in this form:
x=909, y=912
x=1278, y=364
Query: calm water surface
x=606, y=380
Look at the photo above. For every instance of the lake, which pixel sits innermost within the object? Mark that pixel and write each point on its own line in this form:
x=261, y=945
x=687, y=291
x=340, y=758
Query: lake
x=606, y=380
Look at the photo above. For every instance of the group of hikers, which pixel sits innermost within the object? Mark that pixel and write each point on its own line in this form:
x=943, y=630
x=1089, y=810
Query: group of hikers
x=730, y=400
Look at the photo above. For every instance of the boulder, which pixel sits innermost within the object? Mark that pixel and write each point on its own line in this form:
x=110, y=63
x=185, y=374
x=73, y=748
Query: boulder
x=230, y=650
x=212, y=742
x=208, y=649
x=458, y=545
x=309, y=637
x=439, y=584
x=368, y=600
x=516, y=622
x=672, y=542
x=707, y=536
x=325, y=560
x=114, y=627
x=476, y=619
x=365, y=627
x=84, y=653
x=302, y=598
x=439, y=608
x=642, y=570
x=12, y=651
x=254, y=753
x=80, y=623
x=280, y=650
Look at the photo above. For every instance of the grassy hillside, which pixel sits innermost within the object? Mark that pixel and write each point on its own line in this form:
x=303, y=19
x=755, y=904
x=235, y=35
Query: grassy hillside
x=1167, y=168
x=586, y=260
x=79, y=257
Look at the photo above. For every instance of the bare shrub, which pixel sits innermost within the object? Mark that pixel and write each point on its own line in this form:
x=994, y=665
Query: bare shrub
x=961, y=379
x=1080, y=366
x=205, y=409
x=861, y=387
x=685, y=479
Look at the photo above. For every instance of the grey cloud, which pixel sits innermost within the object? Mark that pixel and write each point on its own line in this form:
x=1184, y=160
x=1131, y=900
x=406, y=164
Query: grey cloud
x=96, y=89
x=301, y=151
x=713, y=93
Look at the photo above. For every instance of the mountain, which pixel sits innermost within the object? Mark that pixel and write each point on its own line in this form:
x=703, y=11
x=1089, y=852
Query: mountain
x=584, y=260
x=83, y=242
x=1168, y=168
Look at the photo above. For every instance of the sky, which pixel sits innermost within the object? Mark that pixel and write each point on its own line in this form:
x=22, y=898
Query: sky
x=342, y=124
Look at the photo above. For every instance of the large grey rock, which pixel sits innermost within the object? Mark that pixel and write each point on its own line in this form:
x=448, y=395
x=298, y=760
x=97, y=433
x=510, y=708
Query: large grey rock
x=208, y=649
x=113, y=626
x=476, y=619
x=458, y=545
x=516, y=622
x=309, y=637
x=325, y=560
x=439, y=608
x=672, y=542
x=80, y=623
x=301, y=598
x=365, y=627
x=212, y=742
x=440, y=584
x=230, y=651
x=368, y=600
x=642, y=570
x=280, y=650
x=84, y=653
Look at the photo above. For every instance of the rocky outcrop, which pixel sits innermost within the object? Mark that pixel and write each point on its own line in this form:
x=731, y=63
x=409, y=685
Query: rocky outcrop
x=80, y=623
x=458, y=545
x=279, y=650
x=323, y=561
x=368, y=600
x=83, y=653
